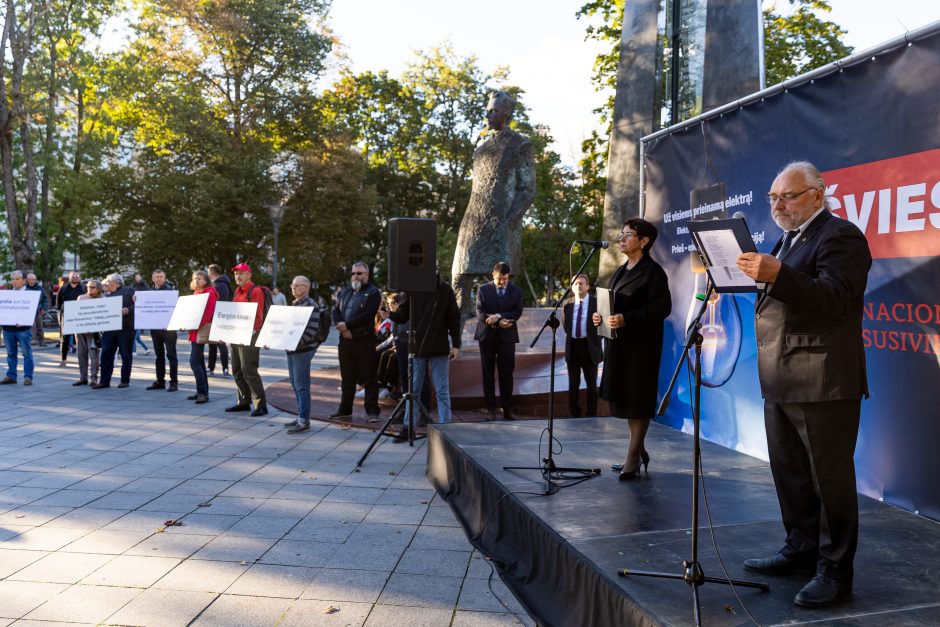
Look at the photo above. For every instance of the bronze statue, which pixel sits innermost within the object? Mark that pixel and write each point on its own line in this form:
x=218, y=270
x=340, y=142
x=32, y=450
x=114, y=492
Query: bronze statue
x=503, y=189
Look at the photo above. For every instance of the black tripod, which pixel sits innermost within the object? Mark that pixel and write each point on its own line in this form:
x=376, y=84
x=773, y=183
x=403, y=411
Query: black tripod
x=550, y=472
x=406, y=406
x=692, y=571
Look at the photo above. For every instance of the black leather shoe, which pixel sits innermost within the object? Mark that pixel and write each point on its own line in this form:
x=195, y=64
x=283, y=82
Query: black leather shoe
x=192, y=397
x=77, y=383
x=239, y=407
x=99, y=386
x=156, y=385
x=401, y=437
x=299, y=428
x=172, y=387
x=123, y=385
x=491, y=416
x=340, y=416
x=508, y=415
x=202, y=398
x=778, y=564
x=260, y=410
x=292, y=423
x=823, y=591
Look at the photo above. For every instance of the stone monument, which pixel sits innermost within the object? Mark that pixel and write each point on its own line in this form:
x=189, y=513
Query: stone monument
x=503, y=189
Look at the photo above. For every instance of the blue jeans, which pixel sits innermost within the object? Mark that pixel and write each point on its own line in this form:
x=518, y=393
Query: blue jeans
x=19, y=339
x=439, y=368
x=298, y=367
x=198, y=363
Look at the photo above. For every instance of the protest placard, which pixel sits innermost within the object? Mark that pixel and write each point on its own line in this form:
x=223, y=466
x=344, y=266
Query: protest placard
x=154, y=308
x=283, y=327
x=233, y=323
x=188, y=312
x=92, y=315
x=18, y=307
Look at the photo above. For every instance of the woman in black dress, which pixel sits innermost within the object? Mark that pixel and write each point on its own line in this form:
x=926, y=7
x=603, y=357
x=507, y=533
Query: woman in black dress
x=641, y=302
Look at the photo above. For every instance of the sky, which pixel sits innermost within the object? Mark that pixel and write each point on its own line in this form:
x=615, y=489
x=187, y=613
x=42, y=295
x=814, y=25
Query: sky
x=543, y=45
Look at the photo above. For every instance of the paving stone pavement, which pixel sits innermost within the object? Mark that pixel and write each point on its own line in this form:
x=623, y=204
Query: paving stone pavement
x=274, y=529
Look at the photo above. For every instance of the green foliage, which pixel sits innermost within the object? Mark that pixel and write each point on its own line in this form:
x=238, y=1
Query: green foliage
x=801, y=41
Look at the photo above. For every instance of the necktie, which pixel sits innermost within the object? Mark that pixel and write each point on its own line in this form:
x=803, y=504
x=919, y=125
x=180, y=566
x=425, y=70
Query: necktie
x=577, y=322
x=787, y=241
x=501, y=292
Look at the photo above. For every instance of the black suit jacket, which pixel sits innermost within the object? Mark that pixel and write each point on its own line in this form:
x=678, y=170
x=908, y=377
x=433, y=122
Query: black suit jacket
x=809, y=322
x=568, y=314
x=488, y=303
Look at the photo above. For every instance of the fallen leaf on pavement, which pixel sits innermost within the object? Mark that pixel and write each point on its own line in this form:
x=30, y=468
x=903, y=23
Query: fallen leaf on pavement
x=332, y=609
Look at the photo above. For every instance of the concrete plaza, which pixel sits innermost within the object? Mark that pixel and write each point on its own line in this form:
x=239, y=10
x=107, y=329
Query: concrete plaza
x=272, y=529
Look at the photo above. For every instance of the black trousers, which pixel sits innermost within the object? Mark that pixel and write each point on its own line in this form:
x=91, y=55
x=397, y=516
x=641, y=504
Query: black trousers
x=164, y=346
x=579, y=363
x=501, y=357
x=111, y=343
x=811, y=448
x=245, y=360
x=358, y=363
x=222, y=349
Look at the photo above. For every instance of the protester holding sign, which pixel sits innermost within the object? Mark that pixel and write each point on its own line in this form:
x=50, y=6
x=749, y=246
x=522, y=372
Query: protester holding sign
x=70, y=290
x=200, y=337
x=164, y=343
x=298, y=360
x=245, y=357
x=15, y=336
x=89, y=344
x=122, y=339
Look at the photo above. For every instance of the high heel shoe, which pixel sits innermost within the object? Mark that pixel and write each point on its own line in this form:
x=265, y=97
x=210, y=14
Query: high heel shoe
x=645, y=460
x=626, y=475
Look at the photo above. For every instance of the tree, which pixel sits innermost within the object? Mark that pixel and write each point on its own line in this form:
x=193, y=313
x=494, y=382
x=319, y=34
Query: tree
x=800, y=42
x=49, y=112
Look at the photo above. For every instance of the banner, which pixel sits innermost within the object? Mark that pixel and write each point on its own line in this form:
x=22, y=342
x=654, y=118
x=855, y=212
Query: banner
x=872, y=130
x=18, y=307
x=187, y=314
x=92, y=315
x=233, y=323
x=283, y=327
x=154, y=308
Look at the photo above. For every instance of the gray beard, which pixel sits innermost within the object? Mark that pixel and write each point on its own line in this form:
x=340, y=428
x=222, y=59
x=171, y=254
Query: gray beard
x=356, y=285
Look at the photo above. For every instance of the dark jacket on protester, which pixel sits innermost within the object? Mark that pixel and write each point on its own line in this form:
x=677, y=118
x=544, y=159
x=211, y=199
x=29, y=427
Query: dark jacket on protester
x=436, y=317
x=223, y=287
x=127, y=300
x=357, y=309
x=43, y=297
x=308, y=339
x=66, y=293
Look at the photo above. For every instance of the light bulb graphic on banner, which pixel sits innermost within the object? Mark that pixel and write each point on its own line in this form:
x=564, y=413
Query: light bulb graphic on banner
x=721, y=330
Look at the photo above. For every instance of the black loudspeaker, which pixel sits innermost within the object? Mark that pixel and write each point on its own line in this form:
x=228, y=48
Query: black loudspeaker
x=412, y=254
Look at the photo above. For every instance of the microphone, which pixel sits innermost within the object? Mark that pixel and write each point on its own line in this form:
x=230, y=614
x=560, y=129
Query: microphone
x=593, y=242
x=738, y=215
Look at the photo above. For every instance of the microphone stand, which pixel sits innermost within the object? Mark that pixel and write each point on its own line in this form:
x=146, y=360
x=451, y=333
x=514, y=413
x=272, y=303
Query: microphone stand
x=692, y=570
x=408, y=401
x=550, y=472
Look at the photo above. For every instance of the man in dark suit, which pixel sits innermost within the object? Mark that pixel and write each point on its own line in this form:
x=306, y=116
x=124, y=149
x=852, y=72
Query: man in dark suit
x=583, y=349
x=499, y=306
x=120, y=340
x=164, y=343
x=811, y=365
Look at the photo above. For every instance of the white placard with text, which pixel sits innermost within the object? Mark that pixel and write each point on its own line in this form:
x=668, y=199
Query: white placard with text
x=233, y=323
x=154, y=308
x=92, y=315
x=283, y=327
x=188, y=312
x=18, y=307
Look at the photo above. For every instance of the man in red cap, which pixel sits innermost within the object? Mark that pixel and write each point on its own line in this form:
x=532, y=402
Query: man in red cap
x=245, y=358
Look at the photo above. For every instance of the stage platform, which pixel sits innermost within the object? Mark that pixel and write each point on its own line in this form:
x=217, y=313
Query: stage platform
x=560, y=554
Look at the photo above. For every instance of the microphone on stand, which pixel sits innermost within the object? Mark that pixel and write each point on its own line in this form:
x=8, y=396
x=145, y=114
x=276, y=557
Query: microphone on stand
x=738, y=215
x=593, y=242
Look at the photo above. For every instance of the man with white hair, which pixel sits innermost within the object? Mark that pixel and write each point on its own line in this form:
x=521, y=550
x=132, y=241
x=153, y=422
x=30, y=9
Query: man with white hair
x=122, y=339
x=811, y=366
x=15, y=337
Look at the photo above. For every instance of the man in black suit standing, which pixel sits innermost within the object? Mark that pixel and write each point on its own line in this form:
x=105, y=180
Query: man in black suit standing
x=811, y=365
x=583, y=349
x=499, y=306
